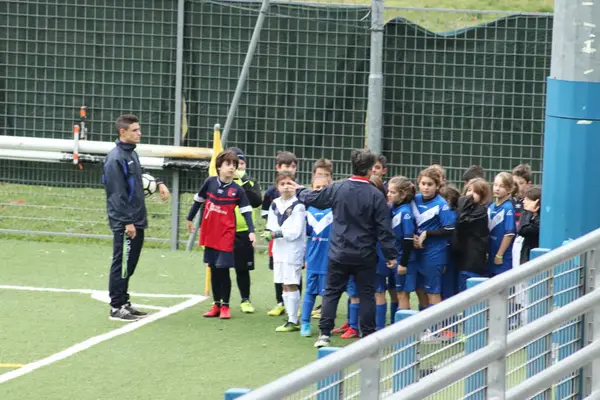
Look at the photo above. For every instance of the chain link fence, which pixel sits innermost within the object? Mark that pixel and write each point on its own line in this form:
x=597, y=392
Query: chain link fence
x=460, y=88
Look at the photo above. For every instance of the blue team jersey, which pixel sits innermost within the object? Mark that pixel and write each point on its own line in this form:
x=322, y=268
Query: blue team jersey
x=432, y=215
x=318, y=229
x=501, y=222
x=403, y=225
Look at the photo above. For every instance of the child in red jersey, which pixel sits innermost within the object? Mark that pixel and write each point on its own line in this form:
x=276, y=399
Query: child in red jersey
x=221, y=195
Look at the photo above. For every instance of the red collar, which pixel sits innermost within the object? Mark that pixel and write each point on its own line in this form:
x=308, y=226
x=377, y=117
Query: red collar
x=357, y=178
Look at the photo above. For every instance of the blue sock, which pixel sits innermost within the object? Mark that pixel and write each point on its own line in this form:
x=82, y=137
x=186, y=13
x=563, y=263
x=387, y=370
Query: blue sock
x=393, y=309
x=307, y=306
x=353, y=315
x=380, y=311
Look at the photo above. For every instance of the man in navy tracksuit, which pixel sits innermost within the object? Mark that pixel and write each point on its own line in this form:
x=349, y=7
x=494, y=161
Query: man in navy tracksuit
x=126, y=208
x=361, y=219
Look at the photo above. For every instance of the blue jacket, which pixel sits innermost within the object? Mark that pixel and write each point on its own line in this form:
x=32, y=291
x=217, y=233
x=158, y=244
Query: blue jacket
x=122, y=178
x=361, y=218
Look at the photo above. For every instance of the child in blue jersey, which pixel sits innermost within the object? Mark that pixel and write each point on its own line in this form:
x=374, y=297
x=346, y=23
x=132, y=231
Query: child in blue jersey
x=385, y=280
x=449, y=278
x=401, y=192
x=435, y=226
x=501, y=224
x=318, y=228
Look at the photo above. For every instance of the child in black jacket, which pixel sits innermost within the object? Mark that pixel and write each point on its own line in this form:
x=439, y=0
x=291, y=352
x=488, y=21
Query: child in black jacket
x=529, y=227
x=470, y=241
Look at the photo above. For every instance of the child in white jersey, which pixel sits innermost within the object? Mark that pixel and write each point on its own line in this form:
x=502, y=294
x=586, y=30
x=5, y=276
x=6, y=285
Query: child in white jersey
x=286, y=226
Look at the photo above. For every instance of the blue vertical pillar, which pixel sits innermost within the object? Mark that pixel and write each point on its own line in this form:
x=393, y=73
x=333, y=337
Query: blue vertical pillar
x=571, y=165
x=406, y=368
x=474, y=329
x=332, y=384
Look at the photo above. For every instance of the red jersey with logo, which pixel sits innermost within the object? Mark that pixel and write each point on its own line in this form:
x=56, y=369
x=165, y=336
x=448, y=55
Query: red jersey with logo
x=218, y=220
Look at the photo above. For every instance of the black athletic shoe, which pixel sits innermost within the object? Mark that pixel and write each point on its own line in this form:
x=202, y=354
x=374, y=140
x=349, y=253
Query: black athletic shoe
x=134, y=311
x=122, y=314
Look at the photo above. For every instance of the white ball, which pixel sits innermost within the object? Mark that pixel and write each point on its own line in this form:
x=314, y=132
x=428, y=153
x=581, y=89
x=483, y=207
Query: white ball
x=149, y=184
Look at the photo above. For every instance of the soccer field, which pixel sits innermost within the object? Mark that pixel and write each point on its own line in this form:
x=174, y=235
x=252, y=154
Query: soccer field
x=57, y=342
x=174, y=354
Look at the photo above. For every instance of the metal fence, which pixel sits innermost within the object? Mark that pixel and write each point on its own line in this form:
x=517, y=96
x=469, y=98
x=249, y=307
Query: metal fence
x=459, y=88
x=532, y=332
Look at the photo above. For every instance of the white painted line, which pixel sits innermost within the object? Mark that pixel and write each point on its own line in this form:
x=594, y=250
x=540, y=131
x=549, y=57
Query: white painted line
x=86, y=344
x=91, y=291
x=589, y=71
x=103, y=297
x=587, y=3
x=589, y=25
x=584, y=122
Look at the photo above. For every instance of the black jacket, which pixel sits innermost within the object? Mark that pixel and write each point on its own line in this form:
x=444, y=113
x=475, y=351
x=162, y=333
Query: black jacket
x=529, y=228
x=122, y=178
x=361, y=218
x=470, y=240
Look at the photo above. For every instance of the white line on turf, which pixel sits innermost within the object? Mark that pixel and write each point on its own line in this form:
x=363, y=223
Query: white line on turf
x=86, y=344
x=91, y=291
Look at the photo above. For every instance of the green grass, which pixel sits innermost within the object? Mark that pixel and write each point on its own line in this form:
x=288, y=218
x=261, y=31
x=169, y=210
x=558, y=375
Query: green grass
x=183, y=356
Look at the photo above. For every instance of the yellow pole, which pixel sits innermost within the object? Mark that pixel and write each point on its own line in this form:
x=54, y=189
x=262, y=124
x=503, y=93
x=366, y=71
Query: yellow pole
x=212, y=171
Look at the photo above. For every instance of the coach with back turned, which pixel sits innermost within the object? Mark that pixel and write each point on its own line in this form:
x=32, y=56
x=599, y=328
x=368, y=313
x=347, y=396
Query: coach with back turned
x=361, y=218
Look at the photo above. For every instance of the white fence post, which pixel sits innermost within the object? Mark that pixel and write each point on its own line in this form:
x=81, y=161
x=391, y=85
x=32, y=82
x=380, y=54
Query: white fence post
x=497, y=332
x=591, y=332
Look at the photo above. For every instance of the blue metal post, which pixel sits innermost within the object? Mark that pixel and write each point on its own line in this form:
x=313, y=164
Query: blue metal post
x=475, y=323
x=334, y=390
x=235, y=393
x=406, y=369
x=571, y=164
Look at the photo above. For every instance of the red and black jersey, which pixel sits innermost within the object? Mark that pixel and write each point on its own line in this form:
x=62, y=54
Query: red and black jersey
x=218, y=219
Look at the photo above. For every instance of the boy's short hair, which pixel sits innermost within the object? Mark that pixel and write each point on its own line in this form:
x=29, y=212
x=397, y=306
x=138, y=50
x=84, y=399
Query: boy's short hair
x=534, y=193
x=378, y=183
x=523, y=171
x=382, y=160
x=323, y=163
x=362, y=162
x=286, y=158
x=474, y=171
x=124, y=121
x=284, y=175
x=227, y=155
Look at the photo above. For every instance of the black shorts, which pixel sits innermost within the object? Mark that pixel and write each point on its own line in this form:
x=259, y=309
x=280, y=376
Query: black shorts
x=218, y=259
x=243, y=252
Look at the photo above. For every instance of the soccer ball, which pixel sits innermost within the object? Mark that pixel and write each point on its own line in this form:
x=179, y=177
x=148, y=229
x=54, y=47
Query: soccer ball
x=149, y=184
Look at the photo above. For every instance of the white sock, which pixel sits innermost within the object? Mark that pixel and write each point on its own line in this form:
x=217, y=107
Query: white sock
x=294, y=301
x=287, y=301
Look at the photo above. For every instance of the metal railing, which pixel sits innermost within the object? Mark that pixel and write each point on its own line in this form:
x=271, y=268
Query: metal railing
x=531, y=332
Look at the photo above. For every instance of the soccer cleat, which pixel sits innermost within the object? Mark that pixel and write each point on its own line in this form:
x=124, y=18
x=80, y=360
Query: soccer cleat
x=316, y=314
x=247, y=307
x=341, y=329
x=305, y=329
x=214, y=312
x=350, y=333
x=323, y=341
x=135, y=312
x=448, y=336
x=288, y=327
x=225, y=312
x=277, y=310
x=122, y=314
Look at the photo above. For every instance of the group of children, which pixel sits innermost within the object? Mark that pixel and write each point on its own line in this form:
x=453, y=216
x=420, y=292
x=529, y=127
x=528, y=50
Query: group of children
x=443, y=236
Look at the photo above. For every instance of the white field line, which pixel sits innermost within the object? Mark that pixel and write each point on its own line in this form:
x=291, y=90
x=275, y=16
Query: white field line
x=86, y=344
x=91, y=292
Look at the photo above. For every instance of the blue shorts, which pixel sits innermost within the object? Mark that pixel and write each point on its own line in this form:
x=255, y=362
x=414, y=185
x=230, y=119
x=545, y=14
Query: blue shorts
x=315, y=283
x=463, y=276
x=429, y=277
x=351, y=288
x=386, y=282
x=218, y=259
x=407, y=282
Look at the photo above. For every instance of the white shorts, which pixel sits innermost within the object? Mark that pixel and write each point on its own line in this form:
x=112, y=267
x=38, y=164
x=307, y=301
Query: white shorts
x=288, y=274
